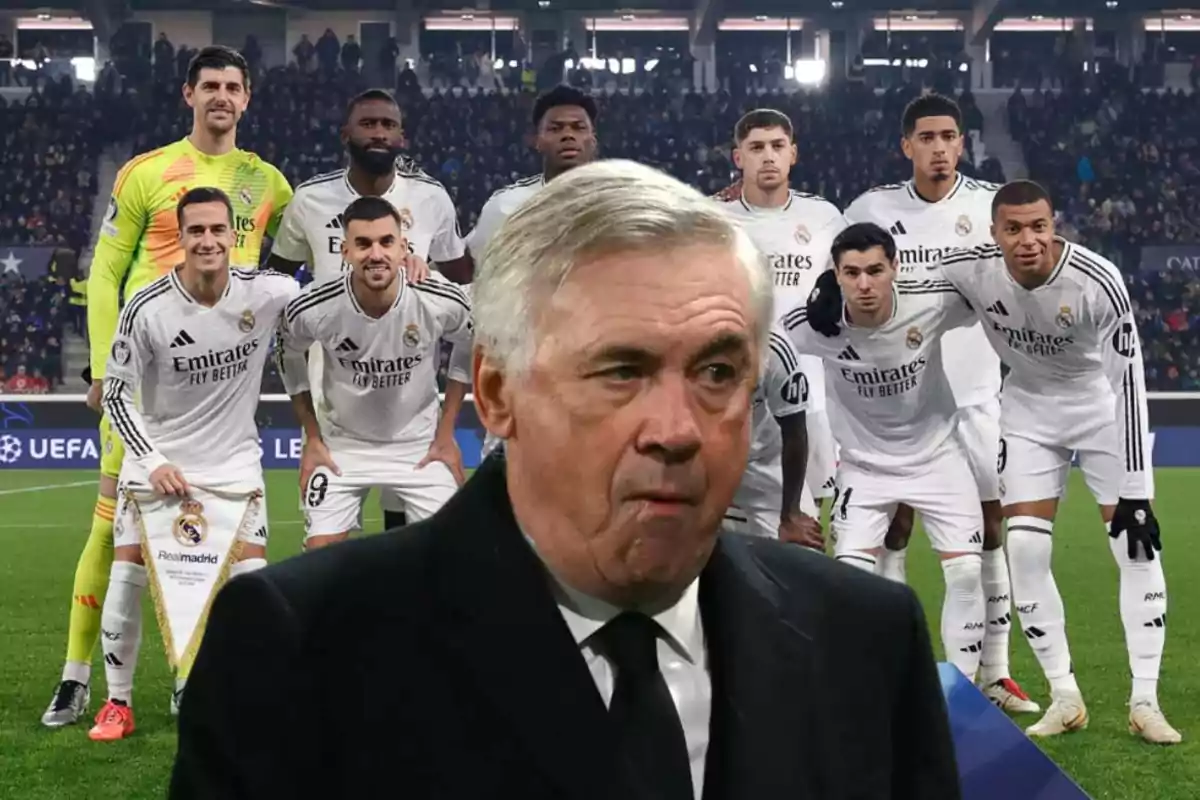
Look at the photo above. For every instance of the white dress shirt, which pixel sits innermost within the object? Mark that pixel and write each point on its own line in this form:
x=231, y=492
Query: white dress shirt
x=682, y=658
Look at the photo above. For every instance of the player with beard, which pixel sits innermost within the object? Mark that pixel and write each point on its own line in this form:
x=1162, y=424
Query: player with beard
x=564, y=122
x=937, y=210
x=140, y=242
x=311, y=232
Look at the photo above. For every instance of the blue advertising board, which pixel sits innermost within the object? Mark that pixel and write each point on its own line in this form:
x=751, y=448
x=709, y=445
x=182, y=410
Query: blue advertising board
x=36, y=433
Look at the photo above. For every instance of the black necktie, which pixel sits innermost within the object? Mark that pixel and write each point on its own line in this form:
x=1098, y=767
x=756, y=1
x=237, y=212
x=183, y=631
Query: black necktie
x=650, y=735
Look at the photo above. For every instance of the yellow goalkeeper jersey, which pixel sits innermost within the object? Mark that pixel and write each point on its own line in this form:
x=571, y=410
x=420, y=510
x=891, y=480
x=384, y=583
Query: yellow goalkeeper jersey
x=139, y=239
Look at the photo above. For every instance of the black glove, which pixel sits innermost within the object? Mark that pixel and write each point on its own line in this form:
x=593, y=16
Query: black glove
x=1136, y=519
x=824, y=306
x=87, y=375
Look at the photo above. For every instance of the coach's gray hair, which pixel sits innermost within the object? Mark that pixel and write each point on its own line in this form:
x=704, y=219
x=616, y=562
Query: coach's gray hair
x=599, y=209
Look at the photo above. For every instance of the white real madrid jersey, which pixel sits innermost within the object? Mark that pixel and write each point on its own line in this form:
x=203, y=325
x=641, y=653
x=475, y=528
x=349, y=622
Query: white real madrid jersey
x=311, y=230
x=924, y=231
x=894, y=404
x=198, y=372
x=500, y=207
x=795, y=239
x=1071, y=346
x=380, y=375
x=782, y=391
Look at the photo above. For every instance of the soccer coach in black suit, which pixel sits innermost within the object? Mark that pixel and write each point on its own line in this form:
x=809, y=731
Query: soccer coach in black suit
x=571, y=625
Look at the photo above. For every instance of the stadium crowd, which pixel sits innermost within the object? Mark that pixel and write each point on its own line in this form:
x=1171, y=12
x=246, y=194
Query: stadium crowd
x=1123, y=164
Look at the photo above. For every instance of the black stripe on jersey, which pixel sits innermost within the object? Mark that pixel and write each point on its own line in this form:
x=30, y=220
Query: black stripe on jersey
x=1134, y=453
x=121, y=419
x=795, y=318
x=959, y=255
x=331, y=291
x=140, y=301
x=1111, y=284
x=324, y=177
x=784, y=351
x=448, y=291
x=531, y=180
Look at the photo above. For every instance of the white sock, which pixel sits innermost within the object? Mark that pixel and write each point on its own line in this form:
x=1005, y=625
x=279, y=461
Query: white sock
x=858, y=558
x=80, y=671
x=1036, y=596
x=246, y=565
x=121, y=628
x=1144, y=614
x=963, y=613
x=893, y=565
x=997, y=594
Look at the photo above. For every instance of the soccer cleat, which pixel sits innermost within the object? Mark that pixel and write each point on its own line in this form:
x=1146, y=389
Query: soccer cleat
x=1066, y=713
x=70, y=702
x=114, y=722
x=1007, y=695
x=1147, y=721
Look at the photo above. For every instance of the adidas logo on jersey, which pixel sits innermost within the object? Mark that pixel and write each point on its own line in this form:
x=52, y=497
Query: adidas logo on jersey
x=848, y=355
x=976, y=538
x=347, y=346
x=335, y=223
x=182, y=339
x=897, y=228
x=998, y=309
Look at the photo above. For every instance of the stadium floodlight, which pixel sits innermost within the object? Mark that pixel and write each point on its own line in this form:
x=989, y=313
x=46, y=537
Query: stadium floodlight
x=810, y=71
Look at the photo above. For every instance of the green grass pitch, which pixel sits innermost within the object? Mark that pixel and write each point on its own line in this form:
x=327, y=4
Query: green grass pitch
x=44, y=517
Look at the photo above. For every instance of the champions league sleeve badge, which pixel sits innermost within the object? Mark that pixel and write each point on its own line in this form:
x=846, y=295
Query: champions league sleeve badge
x=121, y=352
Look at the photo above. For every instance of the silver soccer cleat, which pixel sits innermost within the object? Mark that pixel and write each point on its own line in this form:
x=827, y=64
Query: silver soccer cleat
x=70, y=702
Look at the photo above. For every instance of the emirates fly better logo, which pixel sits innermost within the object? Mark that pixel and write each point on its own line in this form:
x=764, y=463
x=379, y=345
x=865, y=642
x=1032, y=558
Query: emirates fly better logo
x=10, y=449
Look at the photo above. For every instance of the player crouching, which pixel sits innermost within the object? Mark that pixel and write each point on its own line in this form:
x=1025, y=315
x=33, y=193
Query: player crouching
x=380, y=339
x=192, y=345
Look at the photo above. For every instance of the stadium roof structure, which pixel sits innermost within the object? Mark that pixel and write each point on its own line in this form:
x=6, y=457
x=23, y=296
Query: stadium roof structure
x=795, y=8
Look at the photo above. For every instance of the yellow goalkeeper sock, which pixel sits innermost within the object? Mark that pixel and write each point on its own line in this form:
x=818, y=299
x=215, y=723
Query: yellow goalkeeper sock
x=91, y=583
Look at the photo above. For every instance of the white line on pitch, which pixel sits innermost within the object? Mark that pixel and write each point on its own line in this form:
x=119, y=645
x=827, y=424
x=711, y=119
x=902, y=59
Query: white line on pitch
x=27, y=489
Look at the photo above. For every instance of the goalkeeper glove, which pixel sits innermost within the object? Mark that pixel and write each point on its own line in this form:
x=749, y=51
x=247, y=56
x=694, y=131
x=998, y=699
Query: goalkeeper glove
x=1136, y=519
x=824, y=306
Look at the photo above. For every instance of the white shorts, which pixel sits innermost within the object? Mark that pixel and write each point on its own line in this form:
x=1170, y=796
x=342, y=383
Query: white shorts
x=1030, y=471
x=822, y=455
x=942, y=491
x=759, y=499
x=332, y=504
x=126, y=532
x=978, y=432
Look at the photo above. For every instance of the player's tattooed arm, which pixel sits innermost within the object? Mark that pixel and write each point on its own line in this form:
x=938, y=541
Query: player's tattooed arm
x=281, y=264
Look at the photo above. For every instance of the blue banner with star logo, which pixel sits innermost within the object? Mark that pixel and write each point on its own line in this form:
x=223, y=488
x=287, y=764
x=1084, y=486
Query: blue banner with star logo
x=30, y=263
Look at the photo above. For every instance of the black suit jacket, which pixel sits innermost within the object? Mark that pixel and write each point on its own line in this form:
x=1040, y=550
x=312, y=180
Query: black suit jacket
x=432, y=662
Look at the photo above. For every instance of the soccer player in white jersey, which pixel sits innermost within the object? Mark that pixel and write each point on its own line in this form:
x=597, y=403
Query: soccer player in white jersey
x=564, y=124
x=772, y=499
x=311, y=230
x=895, y=423
x=380, y=338
x=794, y=231
x=938, y=209
x=193, y=345
x=1060, y=317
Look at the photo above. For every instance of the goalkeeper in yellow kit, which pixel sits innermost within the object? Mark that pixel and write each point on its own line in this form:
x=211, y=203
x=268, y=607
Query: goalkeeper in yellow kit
x=138, y=243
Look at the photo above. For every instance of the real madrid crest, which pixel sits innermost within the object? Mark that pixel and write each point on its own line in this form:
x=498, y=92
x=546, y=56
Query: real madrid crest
x=246, y=323
x=406, y=220
x=190, y=528
x=963, y=226
x=914, y=338
x=412, y=335
x=802, y=235
x=245, y=196
x=1065, y=318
